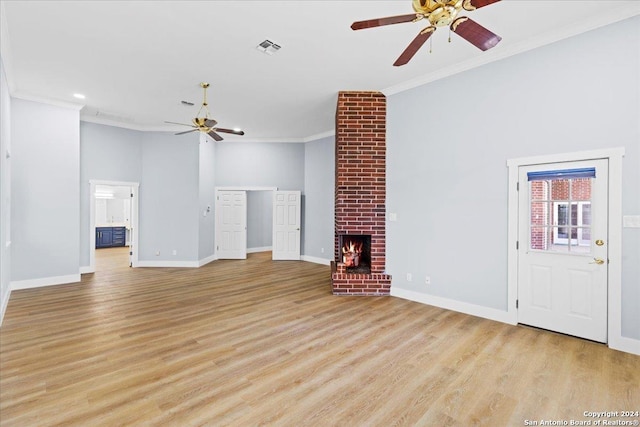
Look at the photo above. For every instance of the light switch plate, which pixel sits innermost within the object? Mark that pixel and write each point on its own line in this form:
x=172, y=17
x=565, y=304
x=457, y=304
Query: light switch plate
x=631, y=221
x=393, y=216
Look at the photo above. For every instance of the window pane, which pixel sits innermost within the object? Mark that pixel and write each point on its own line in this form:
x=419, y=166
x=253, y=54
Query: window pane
x=574, y=213
x=563, y=233
x=538, y=238
x=586, y=214
x=581, y=189
x=560, y=244
x=539, y=190
x=560, y=189
x=562, y=216
x=540, y=213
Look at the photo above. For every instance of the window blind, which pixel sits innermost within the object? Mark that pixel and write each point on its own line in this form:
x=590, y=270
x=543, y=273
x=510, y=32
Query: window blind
x=561, y=174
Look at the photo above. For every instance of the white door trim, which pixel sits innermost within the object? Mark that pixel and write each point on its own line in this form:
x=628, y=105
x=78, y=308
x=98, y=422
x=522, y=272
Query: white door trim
x=135, y=186
x=614, y=155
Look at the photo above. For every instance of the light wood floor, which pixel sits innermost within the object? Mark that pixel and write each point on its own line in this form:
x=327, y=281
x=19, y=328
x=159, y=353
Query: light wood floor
x=259, y=342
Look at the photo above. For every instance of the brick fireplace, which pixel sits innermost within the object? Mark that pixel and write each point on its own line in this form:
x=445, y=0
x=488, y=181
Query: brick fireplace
x=360, y=194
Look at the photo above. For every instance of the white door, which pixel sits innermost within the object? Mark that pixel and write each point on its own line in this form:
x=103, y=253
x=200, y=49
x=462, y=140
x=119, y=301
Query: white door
x=231, y=225
x=562, y=247
x=286, y=225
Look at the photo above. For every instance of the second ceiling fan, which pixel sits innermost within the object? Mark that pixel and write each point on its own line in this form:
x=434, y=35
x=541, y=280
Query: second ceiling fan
x=439, y=13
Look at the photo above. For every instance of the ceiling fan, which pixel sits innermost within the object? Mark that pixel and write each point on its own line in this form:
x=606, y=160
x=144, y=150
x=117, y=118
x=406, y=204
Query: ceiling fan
x=439, y=13
x=206, y=124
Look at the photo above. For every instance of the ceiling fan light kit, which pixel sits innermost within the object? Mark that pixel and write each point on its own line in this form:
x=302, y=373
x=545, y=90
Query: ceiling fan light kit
x=206, y=124
x=439, y=13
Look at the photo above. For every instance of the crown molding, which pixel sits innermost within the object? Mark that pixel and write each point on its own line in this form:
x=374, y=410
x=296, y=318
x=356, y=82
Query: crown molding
x=48, y=101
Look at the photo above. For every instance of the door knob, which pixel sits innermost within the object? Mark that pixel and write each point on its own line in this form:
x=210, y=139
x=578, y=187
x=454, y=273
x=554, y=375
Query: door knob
x=598, y=261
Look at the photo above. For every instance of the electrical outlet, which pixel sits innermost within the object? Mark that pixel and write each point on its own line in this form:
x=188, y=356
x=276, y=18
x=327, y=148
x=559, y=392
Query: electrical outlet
x=427, y=280
x=321, y=250
x=409, y=277
x=157, y=253
x=175, y=252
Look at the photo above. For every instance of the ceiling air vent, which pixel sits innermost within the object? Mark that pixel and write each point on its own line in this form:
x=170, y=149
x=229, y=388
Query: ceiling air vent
x=268, y=47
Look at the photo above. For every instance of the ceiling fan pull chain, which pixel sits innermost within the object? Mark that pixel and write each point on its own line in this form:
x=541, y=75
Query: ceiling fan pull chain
x=430, y=45
x=449, y=34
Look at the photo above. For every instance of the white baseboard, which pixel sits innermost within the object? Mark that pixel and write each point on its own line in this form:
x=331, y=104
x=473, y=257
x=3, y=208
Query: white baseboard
x=449, y=304
x=87, y=269
x=315, y=260
x=5, y=301
x=628, y=345
x=174, y=264
x=44, y=281
x=207, y=260
x=262, y=249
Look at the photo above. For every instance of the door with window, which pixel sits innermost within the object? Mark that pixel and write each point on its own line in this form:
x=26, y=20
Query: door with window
x=562, y=250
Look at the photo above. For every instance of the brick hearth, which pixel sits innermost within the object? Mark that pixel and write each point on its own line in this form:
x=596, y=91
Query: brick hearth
x=361, y=188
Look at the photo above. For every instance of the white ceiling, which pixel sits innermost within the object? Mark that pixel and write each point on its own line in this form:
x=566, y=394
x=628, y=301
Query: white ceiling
x=136, y=60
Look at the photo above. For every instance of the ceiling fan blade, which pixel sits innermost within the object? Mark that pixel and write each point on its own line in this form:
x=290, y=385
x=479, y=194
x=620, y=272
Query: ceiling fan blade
x=210, y=123
x=182, y=124
x=475, y=33
x=186, y=131
x=235, y=132
x=360, y=25
x=413, y=47
x=214, y=135
x=477, y=4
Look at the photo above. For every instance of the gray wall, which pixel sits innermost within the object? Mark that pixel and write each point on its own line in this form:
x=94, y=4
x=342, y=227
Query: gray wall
x=5, y=191
x=167, y=168
x=260, y=164
x=45, y=193
x=106, y=153
x=447, y=180
x=207, y=191
x=319, y=190
x=169, y=197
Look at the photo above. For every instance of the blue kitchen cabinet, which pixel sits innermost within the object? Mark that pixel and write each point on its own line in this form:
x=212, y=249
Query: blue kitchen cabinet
x=107, y=237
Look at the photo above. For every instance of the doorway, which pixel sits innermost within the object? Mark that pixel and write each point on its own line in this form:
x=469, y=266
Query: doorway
x=113, y=223
x=277, y=227
x=565, y=252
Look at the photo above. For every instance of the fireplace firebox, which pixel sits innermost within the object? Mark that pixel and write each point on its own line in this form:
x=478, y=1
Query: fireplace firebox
x=355, y=251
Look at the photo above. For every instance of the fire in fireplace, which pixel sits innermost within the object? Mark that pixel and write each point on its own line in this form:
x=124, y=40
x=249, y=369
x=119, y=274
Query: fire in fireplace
x=355, y=253
x=351, y=252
